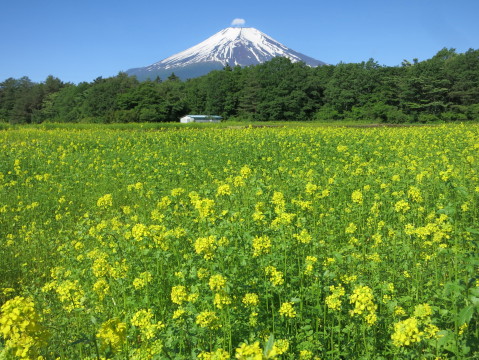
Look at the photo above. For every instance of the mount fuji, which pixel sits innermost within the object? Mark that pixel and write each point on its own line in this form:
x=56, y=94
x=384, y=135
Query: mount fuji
x=243, y=46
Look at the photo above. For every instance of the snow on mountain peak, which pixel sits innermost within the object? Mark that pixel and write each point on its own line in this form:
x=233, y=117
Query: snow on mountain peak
x=233, y=46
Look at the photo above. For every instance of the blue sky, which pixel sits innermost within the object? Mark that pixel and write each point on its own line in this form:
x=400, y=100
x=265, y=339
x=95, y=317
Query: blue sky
x=81, y=40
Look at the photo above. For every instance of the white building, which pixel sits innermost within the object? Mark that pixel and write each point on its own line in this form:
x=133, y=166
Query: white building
x=200, y=118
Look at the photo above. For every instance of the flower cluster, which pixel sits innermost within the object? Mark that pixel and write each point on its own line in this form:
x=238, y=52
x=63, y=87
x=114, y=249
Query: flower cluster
x=179, y=294
x=287, y=310
x=414, y=329
x=249, y=352
x=261, y=245
x=218, y=354
x=303, y=237
x=406, y=332
x=112, y=333
x=217, y=282
x=357, y=197
x=206, y=246
x=333, y=301
x=224, y=189
x=208, y=319
x=142, y=319
x=363, y=300
x=21, y=328
x=141, y=281
x=251, y=300
x=105, y=201
x=310, y=261
x=275, y=276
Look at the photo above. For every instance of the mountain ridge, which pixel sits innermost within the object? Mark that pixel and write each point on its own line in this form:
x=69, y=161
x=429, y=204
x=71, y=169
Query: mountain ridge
x=233, y=46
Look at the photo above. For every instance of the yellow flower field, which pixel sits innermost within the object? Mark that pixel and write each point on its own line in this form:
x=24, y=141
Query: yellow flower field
x=252, y=243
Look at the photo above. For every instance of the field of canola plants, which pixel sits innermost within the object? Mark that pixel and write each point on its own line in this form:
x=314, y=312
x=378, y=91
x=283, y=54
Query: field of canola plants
x=254, y=243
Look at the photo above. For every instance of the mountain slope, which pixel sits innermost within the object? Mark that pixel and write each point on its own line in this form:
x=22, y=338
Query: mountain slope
x=232, y=46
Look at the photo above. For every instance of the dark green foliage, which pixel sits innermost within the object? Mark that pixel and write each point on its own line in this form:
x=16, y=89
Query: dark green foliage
x=443, y=88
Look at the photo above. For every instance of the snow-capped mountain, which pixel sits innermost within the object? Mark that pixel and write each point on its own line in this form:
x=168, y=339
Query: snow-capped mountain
x=241, y=46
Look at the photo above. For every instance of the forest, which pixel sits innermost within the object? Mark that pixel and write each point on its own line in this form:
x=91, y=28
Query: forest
x=443, y=88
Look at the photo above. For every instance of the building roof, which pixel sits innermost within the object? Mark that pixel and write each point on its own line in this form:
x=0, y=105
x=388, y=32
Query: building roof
x=205, y=117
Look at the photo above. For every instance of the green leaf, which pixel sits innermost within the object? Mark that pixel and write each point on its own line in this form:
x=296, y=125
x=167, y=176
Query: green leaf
x=474, y=291
x=448, y=210
x=462, y=190
x=474, y=300
x=269, y=345
x=472, y=231
x=453, y=288
x=446, y=339
x=465, y=314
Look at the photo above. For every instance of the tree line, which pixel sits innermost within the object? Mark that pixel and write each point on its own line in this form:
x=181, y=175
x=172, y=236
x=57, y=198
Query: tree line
x=445, y=87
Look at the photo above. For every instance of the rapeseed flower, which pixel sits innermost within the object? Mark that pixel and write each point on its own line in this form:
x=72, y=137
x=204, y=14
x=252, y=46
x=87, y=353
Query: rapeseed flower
x=177, y=192
x=223, y=190
x=208, y=319
x=221, y=300
x=137, y=186
x=303, y=237
x=253, y=319
x=399, y=311
x=251, y=300
x=305, y=355
x=112, y=332
x=218, y=354
x=70, y=294
x=192, y=297
x=178, y=314
x=217, y=282
x=333, y=301
x=275, y=276
x=205, y=207
x=461, y=331
x=105, y=201
x=141, y=281
x=258, y=214
x=402, y=206
x=351, y=228
x=245, y=171
x=422, y=311
x=415, y=194
x=179, y=294
x=261, y=245
x=119, y=270
x=139, y=231
x=363, y=300
x=311, y=188
x=310, y=261
x=279, y=201
x=287, y=310
x=202, y=273
x=21, y=328
x=431, y=331
x=406, y=332
x=283, y=218
x=238, y=181
x=206, y=246
x=249, y=352
x=142, y=319
x=357, y=197
x=101, y=288
x=280, y=347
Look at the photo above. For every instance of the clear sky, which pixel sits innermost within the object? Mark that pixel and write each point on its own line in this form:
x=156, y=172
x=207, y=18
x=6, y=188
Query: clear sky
x=81, y=40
